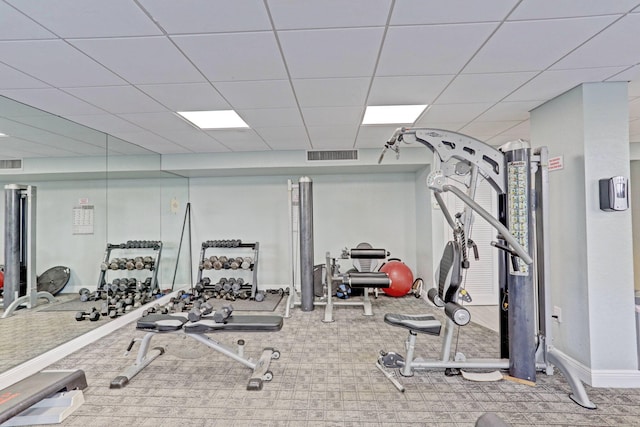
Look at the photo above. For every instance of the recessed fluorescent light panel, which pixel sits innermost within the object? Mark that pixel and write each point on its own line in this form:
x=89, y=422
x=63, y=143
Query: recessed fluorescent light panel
x=392, y=114
x=3, y=135
x=223, y=119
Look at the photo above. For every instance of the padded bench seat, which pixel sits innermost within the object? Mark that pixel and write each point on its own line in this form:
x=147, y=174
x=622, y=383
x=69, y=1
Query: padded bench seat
x=175, y=322
x=424, y=324
x=253, y=323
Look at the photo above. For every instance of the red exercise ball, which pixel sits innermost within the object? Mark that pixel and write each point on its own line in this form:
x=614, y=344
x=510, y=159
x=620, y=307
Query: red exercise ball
x=401, y=278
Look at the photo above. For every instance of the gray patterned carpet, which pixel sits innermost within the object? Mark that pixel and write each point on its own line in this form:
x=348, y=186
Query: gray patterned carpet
x=325, y=377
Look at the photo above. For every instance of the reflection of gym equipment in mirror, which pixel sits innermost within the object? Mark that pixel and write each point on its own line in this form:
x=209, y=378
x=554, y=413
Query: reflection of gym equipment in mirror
x=20, y=284
x=525, y=316
x=304, y=295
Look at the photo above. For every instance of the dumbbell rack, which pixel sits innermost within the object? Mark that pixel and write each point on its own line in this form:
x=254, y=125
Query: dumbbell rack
x=132, y=246
x=230, y=245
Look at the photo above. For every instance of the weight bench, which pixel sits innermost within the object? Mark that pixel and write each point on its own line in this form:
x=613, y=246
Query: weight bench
x=220, y=321
x=17, y=399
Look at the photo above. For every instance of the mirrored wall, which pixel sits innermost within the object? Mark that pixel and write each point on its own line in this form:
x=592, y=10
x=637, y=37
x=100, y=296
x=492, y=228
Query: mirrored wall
x=92, y=189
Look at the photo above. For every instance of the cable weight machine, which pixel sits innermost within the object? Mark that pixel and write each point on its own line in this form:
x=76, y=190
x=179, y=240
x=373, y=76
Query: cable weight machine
x=20, y=283
x=519, y=176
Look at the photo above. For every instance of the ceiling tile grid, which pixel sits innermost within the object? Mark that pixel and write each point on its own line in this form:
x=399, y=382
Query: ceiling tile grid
x=89, y=18
x=301, y=73
x=431, y=49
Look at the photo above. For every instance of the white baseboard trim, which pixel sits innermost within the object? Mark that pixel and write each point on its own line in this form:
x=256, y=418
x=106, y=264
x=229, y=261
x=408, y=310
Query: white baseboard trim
x=603, y=378
x=38, y=363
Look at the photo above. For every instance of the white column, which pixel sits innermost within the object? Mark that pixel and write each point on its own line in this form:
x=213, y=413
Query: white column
x=591, y=250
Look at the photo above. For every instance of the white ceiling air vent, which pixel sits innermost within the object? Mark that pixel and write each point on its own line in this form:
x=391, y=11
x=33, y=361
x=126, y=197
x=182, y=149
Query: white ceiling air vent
x=324, y=155
x=10, y=165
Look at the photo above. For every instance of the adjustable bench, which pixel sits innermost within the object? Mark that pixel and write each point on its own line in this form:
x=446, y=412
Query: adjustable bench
x=221, y=321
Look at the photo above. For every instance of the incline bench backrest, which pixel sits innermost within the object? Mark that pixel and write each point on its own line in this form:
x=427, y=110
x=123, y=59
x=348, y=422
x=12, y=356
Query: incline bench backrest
x=449, y=276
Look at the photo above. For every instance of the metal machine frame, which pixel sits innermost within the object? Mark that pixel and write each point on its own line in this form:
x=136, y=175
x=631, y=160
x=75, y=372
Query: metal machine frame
x=19, y=252
x=525, y=328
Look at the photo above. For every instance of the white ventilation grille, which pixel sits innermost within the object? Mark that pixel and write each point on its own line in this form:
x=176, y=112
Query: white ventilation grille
x=11, y=165
x=324, y=155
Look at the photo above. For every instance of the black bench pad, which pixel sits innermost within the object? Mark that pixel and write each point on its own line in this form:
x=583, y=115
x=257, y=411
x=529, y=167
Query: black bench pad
x=418, y=323
x=253, y=323
x=161, y=322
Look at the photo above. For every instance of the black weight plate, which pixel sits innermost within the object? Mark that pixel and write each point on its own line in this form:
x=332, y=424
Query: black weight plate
x=54, y=279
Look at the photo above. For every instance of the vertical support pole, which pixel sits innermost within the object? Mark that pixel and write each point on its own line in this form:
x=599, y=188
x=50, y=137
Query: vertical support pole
x=503, y=295
x=305, y=186
x=12, y=240
x=522, y=318
x=29, y=242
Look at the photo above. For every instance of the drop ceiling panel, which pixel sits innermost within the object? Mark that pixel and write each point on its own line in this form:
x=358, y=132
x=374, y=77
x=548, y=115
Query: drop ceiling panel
x=535, y=9
x=445, y=125
x=157, y=122
x=483, y=87
x=288, y=14
x=195, y=140
x=614, y=46
x=13, y=79
x=452, y=113
x=31, y=149
x=550, y=84
x=520, y=131
x=374, y=137
x=331, y=53
x=332, y=136
x=53, y=100
x=237, y=56
x=509, y=111
x=329, y=116
x=411, y=12
x=141, y=60
x=258, y=94
x=64, y=127
x=57, y=63
x=431, y=49
x=103, y=122
x=187, y=96
x=119, y=146
x=404, y=90
x=634, y=108
x=534, y=45
x=208, y=16
x=117, y=99
x=16, y=26
x=629, y=74
x=272, y=117
x=239, y=139
x=285, y=138
x=152, y=142
x=488, y=129
x=89, y=18
x=330, y=92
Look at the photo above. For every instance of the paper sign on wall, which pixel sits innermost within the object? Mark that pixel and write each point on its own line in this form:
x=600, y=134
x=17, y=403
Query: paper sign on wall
x=82, y=222
x=556, y=163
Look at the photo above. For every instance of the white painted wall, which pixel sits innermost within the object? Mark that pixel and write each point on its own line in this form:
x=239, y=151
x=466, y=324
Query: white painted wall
x=348, y=209
x=591, y=250
x=634, y=195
